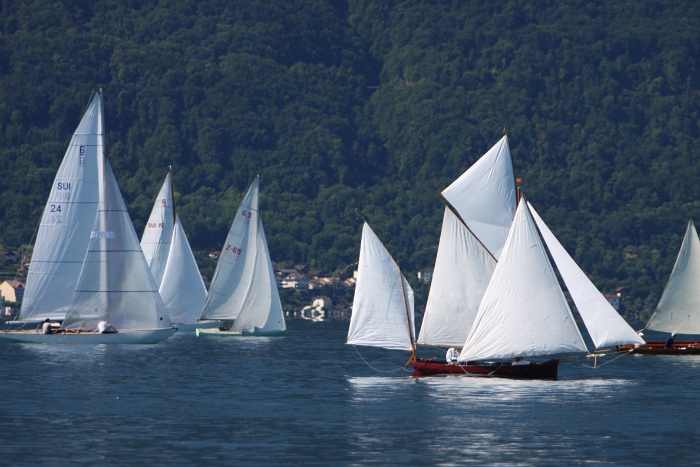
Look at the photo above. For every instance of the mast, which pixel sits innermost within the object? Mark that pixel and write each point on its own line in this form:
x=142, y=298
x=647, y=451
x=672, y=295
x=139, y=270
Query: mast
x=408, y=318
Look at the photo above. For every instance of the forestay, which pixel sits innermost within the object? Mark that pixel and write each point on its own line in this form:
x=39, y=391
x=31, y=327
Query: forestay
x=679, y=307
x=65, y=227
x=159, y=231
x=236, y=264
x=523, y=312
x=484, y=196
x=379, y=307
x=604, y=324
x=182, y=287
x=115, y=283
x=463, y=269
x=262, y=310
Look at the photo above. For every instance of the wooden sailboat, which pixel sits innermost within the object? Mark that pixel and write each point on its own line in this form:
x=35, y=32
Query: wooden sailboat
x=382, y=312
x=172, y=263
x=678, y=311
x=243, y=291
x=523, y=314
x=115, y=284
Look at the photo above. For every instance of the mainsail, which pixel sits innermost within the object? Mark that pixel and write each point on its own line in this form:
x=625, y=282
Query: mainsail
x=484, y=197
x=604, y=324
x=182, y=287
x=382, y=312
x=65, y=227
x=679, y=307
x=463, y=269
x=115, y=283
x=159, y=231
x=523, y=312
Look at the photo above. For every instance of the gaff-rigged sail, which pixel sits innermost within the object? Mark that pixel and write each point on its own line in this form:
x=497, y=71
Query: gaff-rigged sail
x=523, y=312
x=379, y=311
x=64, y=232
x=157, y=235
x=463, y=269
x=484, y=197
x=605, y=325
x=679, y=307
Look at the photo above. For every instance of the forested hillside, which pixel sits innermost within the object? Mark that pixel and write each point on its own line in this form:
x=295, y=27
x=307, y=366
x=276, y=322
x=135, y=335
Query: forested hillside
x=368, y=106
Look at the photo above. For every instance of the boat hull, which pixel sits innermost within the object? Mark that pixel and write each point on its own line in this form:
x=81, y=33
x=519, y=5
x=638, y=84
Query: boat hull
x=657, y=348
x=214, y=332
x=535, y=370
x=189, y=327
x=136, y=336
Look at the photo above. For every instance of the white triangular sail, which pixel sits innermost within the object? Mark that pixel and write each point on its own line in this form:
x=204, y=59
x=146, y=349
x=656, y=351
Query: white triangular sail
x=115, y=283
x=679, y=307
x=159, y=231
x=236, y=265
x=379, y=308
x=67, y=221
x=182, y=287
x=484, y=196
x=463, y=269
x=604, y=324
x=262, y=310
x=523, y=312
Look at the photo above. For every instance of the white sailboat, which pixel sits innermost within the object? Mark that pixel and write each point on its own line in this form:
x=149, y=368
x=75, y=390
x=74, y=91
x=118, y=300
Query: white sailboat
x=66, y=224
x=524, y=314
x=172, y=263
x=115, y=284
x=243, y=290
x=382, y=312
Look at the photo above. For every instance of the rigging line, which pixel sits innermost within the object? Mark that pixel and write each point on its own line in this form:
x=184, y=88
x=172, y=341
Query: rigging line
x=376, y=369
x=603, y=364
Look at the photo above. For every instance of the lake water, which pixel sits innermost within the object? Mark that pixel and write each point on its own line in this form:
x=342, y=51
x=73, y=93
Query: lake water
x=310, y=399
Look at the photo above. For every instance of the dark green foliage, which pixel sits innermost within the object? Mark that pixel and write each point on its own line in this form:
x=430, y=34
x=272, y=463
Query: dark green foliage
x=368, y=106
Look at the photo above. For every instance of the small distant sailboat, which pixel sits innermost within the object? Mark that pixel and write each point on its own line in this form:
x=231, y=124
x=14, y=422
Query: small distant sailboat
x=243, y=291
x=678, y=311
x=383, y=312
x=115, y=285
x=172, y=263
x=524, y=314
x=64, y=231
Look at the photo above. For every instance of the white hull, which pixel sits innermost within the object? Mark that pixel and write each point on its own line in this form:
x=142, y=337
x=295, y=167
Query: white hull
x=189, y=327
x=136, y=336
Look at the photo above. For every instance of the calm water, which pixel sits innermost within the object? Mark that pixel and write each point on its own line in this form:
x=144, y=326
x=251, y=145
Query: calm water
x=310, y=399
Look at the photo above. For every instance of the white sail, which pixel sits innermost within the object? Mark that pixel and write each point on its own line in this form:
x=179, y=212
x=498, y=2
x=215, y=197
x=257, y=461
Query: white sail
x=484, y=197
x=65, y=227
x=679, y=307
x=236, y=264
x=604, y=324
x=463, y=269
x=379, y=308
x=182, y=287
x=262, y=310
x=159, y=231
x=115, y=283
x=523, y=312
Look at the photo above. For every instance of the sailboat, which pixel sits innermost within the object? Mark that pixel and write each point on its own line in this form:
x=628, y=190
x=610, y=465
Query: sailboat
x=115, y=284
x=243, y=291
x=382, y=313
x=678, y=310
x=64, y=230
x=172, y=263
x=524, y=314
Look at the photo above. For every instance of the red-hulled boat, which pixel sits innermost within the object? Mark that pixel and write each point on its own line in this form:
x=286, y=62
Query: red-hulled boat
x=658, y=348
x=533, y=370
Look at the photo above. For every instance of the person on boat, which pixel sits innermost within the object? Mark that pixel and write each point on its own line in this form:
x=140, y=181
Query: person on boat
x=519, y=361
x=46, y=327
x=670, y=341
x=103, y=327
x=225, y=327
x=452, y=356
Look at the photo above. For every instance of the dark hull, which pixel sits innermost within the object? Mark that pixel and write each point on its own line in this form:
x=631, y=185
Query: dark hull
x=535, y=370
x=657, y=348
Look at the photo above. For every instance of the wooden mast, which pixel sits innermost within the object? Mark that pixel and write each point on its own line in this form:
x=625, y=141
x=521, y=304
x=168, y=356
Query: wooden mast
x=408, y=318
